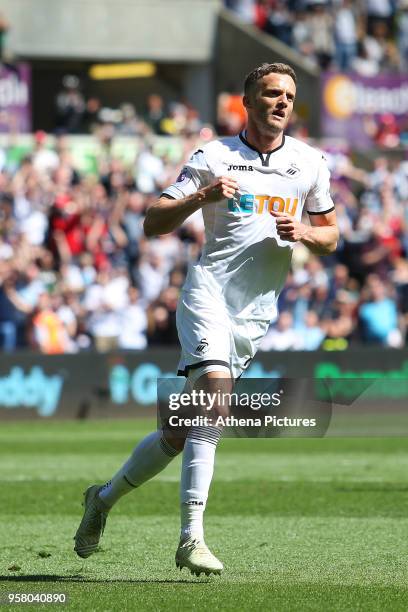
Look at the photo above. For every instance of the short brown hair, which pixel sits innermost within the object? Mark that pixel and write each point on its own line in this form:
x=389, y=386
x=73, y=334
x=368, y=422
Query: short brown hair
x=265, y=69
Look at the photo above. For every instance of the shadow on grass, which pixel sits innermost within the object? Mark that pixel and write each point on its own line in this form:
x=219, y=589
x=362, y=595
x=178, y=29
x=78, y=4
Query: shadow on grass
x=79, y=578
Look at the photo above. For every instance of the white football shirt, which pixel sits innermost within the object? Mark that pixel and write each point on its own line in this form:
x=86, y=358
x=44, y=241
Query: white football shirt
x=244, y=262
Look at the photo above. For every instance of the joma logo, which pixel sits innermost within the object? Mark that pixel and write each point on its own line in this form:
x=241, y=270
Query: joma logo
x=242, y=168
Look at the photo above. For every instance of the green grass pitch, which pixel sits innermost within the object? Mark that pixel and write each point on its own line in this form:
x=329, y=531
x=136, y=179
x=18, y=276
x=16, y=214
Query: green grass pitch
x=299, y=524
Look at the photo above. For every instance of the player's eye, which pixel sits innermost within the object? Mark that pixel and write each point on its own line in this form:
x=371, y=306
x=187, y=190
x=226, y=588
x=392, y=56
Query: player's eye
x=272, y=93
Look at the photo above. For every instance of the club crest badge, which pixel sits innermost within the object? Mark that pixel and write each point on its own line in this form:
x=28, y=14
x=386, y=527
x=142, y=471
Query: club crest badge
x=292, y=171
x=202, y=347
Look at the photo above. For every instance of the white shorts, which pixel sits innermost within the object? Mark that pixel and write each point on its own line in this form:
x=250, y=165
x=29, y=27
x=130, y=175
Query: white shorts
x=209, y=335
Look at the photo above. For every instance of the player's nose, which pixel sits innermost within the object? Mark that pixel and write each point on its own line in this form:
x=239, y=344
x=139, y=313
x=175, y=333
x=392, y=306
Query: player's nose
x=283, y=101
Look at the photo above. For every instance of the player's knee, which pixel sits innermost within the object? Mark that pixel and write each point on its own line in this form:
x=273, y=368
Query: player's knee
x=176, y=441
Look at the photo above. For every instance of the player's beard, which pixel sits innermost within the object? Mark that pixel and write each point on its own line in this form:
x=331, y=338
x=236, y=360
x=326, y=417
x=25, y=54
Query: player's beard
x=269, y=128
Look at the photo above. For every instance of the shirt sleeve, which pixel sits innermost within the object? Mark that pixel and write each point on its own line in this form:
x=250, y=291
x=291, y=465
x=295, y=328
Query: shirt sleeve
x=319, y=201
x=195, y=175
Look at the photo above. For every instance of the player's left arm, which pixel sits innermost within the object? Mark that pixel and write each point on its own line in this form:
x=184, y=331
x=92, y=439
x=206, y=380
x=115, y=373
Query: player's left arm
x=321, y=236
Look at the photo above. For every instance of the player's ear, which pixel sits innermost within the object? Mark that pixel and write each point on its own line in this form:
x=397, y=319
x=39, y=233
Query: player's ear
x=246, y=102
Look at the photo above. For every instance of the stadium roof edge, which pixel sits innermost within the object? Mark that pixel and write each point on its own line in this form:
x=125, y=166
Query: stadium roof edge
x=178, y=31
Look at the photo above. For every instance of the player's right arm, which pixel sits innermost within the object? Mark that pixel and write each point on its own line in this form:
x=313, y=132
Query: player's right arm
x=196, y=186
x=168, y=213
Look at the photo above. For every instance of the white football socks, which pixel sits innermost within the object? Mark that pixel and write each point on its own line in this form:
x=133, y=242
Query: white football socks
x=149, y=458
x=152, y=455
x=196, y=475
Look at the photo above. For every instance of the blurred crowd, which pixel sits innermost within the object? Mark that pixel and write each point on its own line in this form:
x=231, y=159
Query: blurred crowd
x=359, y=294
x=366, y=36
x=77, y=114
x=76, y=271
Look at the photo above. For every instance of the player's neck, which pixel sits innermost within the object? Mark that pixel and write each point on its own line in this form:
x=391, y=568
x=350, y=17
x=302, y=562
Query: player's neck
x=261, y=141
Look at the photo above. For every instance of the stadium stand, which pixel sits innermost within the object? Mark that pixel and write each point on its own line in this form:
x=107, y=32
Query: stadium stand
x=75, y=269
x=365, y=36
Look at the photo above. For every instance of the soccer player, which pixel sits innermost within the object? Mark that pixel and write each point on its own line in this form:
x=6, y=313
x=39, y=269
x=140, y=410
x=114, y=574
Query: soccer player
x=252, y=189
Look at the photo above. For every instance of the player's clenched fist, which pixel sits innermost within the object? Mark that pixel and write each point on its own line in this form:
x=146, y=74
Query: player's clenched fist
x=222, y=187
x=288, y=227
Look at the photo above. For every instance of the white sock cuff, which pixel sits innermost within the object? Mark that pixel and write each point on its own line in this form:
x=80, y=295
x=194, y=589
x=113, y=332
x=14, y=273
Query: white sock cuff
x=210, y=435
